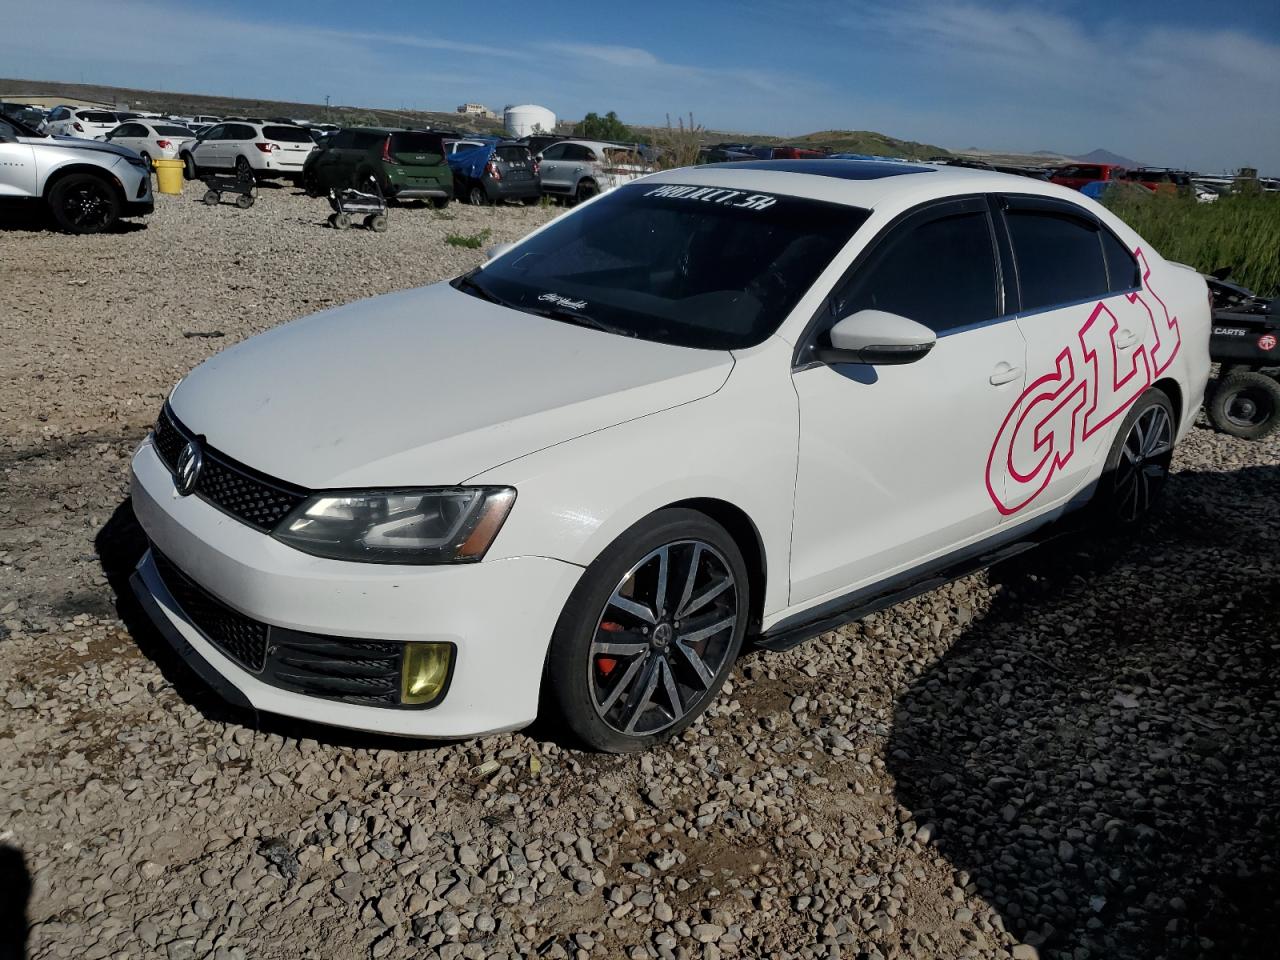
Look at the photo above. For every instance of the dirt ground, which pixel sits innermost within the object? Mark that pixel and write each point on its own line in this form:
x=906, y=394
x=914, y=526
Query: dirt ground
x=1074, y=755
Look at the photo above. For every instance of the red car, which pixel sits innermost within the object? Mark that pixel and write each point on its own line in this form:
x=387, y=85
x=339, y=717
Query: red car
x=796, y=153
x=1076, y=175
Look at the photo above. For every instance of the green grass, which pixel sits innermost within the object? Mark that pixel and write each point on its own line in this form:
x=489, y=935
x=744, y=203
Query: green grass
x=472, y=241
x=1241, y=231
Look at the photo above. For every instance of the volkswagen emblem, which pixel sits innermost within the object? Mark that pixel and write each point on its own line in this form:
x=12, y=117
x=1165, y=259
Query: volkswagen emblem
x=190, y=463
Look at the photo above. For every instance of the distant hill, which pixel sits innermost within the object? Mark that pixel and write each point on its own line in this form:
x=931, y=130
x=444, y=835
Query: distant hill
x=1106, y=156
x=865, y=141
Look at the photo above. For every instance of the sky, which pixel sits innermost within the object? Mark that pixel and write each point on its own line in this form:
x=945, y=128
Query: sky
x=1182, y=84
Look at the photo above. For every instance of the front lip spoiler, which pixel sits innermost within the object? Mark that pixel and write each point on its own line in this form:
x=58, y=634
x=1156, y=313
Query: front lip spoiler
x=183, y=648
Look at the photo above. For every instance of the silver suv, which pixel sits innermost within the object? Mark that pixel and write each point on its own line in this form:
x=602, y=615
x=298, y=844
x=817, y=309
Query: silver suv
x=87, y=185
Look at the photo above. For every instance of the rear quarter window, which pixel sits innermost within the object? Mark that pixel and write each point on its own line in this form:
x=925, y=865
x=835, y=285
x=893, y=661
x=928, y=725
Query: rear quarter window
x=416, y=142
x=97, y=116
x=172, y=131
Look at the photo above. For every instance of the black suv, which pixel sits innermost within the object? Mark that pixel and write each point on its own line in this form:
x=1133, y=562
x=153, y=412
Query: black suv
x=509, y=173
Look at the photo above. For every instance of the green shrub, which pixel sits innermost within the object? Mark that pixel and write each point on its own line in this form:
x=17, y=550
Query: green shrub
x=472, y=241
x=1241, y=231
x=609, y=127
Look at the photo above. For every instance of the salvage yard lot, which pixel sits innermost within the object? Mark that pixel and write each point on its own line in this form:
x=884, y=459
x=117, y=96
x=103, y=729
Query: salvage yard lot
x=1079, y=752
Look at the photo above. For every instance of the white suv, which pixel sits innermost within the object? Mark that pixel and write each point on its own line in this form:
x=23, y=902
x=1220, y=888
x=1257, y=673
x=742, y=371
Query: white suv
x=84, y=123
x=742, y=400
x=250, y=149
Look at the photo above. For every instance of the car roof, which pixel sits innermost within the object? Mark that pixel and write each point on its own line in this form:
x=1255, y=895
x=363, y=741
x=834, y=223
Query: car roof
x=862, y=183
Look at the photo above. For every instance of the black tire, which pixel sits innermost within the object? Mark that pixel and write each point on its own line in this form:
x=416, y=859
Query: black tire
x=586, y=190
x=578, y=673
x=212, y=198
x=476, y=196
x=244, y=171
x=244, y=201
x=84, y=203
x=440, y=202
x=340, y=221
x=189, y=168
x=1245, y=405
x=377, y=222
x=1137, y=466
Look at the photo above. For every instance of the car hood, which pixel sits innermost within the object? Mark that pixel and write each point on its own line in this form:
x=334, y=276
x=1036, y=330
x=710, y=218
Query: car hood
x=428, y=386
x=76, y=143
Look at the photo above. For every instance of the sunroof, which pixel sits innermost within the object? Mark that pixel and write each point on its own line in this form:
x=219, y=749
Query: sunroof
x=840, y=169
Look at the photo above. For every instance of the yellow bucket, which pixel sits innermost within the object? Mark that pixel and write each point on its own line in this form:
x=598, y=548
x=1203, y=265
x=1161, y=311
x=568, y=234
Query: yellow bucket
x=168, y=175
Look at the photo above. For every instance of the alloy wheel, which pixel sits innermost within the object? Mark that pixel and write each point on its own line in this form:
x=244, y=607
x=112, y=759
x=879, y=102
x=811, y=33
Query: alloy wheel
x=1144, y=463
x=662, y=638
x=88, y=205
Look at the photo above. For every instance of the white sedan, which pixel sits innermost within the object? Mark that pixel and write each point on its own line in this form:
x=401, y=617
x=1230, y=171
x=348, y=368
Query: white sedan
x=729, y=403
x=153, y=139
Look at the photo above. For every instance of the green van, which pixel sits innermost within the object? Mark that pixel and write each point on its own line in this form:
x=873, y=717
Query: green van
x=408, y=164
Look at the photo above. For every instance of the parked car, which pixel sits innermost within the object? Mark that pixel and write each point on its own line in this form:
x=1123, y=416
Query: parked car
x=496, y=172
x=722, y=155
x=579, y=169
x=152, y=139
x=407, y=164
x=252, y=150
x=86, y=185
x=1076, y=175
x=708, y=406
x=1160, y=180
x=204, y=120
x=80, y=122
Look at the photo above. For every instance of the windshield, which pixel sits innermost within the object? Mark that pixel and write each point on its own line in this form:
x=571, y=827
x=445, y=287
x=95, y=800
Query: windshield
x=693, y=266
x=286, y=134
x=414, y=142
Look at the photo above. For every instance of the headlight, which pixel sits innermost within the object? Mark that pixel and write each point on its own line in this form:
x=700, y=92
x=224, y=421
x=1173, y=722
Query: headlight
x=439, y=525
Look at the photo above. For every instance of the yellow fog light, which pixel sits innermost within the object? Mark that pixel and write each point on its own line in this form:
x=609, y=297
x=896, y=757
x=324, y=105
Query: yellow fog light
x=424, y=672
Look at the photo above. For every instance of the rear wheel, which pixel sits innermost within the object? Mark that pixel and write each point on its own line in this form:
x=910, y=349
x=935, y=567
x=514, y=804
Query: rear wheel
x=1137, y=467
x=212, y=198
x=189, y=168
x=476, y=196
x=244, y=201
x=650, y=633
x=244, y=172
x=586, y=190
x=84, y=203
x=376, y=222
x=1245, y=405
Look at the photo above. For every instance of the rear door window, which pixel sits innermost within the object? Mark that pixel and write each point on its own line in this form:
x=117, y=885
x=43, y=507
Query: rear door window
x=239, y=131
x=1122, y=267
x=940, y=272
x=554, y=152
x=1059, y=258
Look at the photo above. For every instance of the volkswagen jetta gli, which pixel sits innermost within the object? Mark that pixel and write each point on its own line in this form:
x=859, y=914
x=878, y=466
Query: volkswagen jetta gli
x=750, y=400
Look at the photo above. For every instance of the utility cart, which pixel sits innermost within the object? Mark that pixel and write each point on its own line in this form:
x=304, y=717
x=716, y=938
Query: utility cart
x=246, y=191
x=351, y=202
x=1245, y=400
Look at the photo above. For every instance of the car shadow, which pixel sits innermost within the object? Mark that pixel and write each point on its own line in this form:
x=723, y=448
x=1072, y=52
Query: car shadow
x=1100, y=752
x=30, y=217
x=15, y=895
x=120, y=544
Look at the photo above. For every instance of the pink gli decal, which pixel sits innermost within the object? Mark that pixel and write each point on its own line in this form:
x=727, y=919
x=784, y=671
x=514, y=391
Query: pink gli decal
x=1092, y=383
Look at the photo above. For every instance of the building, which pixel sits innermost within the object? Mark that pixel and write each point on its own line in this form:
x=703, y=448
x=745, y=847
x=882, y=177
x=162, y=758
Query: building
x=477, y=110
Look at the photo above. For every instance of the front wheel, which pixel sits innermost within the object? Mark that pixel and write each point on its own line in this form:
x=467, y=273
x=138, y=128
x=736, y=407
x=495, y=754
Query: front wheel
x=1245, y=405
x=650, y=633
x=244, y=171
x=84, y=203
x=1138, y=465
x=189, y=168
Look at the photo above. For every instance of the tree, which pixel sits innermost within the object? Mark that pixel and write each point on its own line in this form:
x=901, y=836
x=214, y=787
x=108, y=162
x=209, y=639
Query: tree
x=608, y=127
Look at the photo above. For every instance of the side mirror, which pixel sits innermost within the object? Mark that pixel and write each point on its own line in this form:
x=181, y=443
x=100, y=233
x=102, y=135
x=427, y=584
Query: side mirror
x=494, y=252
x=877, y=337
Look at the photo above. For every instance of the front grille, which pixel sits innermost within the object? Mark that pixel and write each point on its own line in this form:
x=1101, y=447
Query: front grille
x=249, y=496
x=334, y=668
x=241, y=638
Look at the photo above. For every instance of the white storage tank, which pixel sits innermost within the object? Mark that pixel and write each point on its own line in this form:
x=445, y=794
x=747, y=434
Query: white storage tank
x=523, y=120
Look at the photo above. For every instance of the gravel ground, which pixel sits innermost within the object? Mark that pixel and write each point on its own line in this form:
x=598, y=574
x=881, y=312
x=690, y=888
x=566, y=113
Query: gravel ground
x=1074, y=755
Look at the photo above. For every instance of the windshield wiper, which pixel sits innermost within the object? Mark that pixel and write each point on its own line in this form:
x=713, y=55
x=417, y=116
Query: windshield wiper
x=466, y=282
x=580, y=320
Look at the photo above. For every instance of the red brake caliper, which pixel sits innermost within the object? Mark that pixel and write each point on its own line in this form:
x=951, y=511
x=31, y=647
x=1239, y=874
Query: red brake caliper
x=606, y=664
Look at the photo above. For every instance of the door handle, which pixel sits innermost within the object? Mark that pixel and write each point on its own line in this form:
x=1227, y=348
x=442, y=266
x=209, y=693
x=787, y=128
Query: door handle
x=1126, y=339
x=1005, y=373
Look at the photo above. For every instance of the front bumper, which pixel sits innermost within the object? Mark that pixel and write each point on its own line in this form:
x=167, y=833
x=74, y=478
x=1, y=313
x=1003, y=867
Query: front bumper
x=499, y=615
